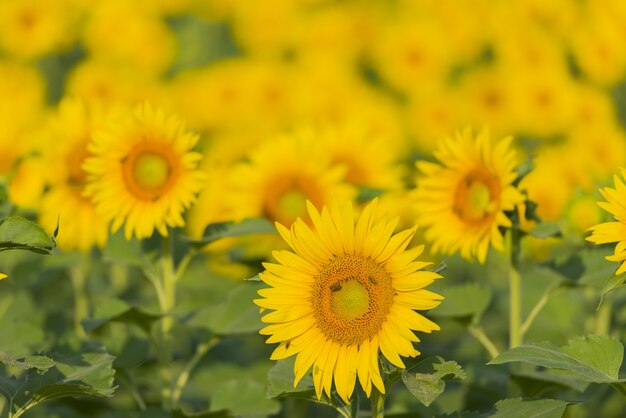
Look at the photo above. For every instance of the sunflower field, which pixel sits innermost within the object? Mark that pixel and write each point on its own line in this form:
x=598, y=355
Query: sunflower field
x=312, y=208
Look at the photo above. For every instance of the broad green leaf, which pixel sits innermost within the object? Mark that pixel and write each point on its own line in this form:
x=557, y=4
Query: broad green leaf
x=426, y=380
x=237, y=314
x=19, y=339
x=545, y=230
x=518, y=408
x=464, y=302
x=593, y=359
x=221, y=230
x=119, y=311
x=41, y=363
x=120, y=250
x=88, y=373
x=22, y=234
x=246, y=398
x=281, y=377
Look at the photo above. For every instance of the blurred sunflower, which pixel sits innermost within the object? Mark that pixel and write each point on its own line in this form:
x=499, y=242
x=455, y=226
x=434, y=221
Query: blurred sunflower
x=282, y=174
x=2, y=276
x=63, y=154
x=461, y=200
x=608, y=232
x=343, y=294
x=143, y=172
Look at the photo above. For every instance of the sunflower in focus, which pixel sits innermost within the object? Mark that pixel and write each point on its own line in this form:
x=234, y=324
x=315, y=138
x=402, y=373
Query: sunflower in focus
x=345, y=294
x=608, y=232
x=462, y=199
x=143, y=173
x=282, y=174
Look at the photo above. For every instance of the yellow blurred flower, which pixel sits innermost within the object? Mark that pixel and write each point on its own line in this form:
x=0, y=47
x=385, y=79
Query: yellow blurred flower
x=31, y=28
x=609, y=232
x=2, y=276
x=461, y=200
x=63, y=155
x=344, y=294
x=122, y=33
x=282, y=174
x=143, y=173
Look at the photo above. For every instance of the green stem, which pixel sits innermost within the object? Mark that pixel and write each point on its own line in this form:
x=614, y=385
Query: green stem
x=78, y=278
x=119, y=277
x=167, y=302
x=128, y=380
x=515, y=292
x=541, y=303
x=603, y=318
x=479, y=333
x=378, y=403
x=184, y=375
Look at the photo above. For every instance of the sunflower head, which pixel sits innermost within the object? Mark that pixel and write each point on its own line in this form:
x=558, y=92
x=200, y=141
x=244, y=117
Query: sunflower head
x=613, y=231
x=462, y=198
x=143, y=173
x=345, y=293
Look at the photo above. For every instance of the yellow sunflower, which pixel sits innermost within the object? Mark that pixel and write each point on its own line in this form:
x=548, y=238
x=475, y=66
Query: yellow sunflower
x=143, y=173
x=345, y=294
x=282, y=174
x=2, y=276
x=613, y=231
x=63, y=154
x=461, y=200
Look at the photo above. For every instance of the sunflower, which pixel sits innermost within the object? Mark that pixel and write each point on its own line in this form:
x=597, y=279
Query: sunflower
x=282, y=174
x=461, y=200
x=143, y=173
x=613, y=231
x=63, y=153
x=343, y=295
x=2, y=276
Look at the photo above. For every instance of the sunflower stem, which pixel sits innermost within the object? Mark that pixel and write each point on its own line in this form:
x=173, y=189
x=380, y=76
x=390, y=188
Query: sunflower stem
x=541, y=303
x=78, y=277
x=378, y=404
x=479, y=333
x=167, y=302
x=184, y=375
x=515, y=291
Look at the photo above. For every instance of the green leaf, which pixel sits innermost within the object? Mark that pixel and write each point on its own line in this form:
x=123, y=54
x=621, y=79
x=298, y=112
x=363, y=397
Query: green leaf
x=237, y=314
x=119, y=311
x=221, y=230
x=120, y=250
x=243, y=398
x=18, y=233
x=426, y=380
x=593, y=359
x=87, y=373
x=41, y=363
x=467, y=301
x=518, y=408
x=545, y=230
x=280, y=381
x=19, y=338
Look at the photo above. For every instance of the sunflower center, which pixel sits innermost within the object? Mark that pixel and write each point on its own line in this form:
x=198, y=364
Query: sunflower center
x=292, y=203
x=351, y=299
x=76, y=174
x=475, y=198
x=149, y=170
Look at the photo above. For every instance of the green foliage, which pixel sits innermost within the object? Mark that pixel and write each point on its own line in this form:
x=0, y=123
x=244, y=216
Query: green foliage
x=593, y=359
x=518, y=408
x=221, y=230
x=464, y=302
x=427, y=380
x=18, y=233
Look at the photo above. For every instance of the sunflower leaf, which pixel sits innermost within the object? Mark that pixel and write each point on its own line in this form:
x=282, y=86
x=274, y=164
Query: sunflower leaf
x=116, y=310
x=427, y=380
x=18, y=233
x=40, y=363
x=280, y=381
x=545, y=230
x=464, y=302
x=593, y=359
x=518, y=408
x=220, y=230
